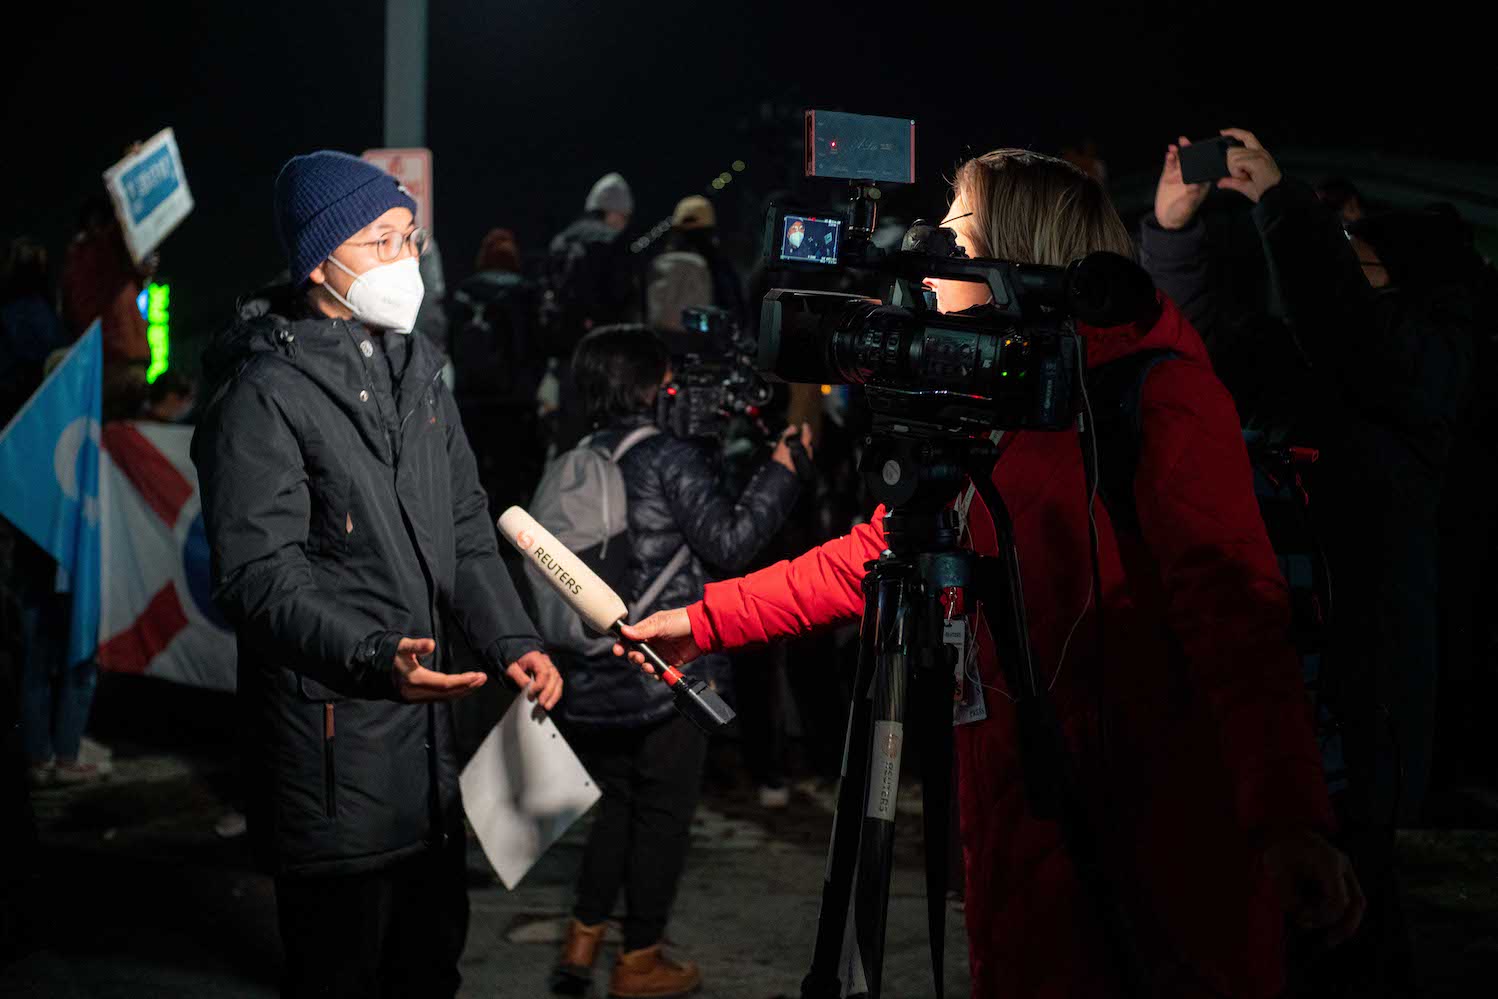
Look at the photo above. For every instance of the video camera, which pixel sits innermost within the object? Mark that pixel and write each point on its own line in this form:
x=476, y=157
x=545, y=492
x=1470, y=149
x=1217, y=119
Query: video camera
x=1014, y=364
x=714, y=378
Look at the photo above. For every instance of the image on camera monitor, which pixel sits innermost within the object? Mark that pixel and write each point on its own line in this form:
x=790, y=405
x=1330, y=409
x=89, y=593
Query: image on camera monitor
x=810, y=239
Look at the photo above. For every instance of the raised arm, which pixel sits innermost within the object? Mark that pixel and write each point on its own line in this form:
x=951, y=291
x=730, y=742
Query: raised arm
x=724, y=531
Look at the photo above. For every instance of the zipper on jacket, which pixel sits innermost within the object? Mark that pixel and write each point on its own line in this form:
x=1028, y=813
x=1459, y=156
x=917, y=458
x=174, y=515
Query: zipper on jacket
x=329, y=774
x=429, y=387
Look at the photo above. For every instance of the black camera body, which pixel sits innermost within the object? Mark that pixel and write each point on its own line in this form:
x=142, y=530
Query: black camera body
x=1016, y=363
x=714, y=379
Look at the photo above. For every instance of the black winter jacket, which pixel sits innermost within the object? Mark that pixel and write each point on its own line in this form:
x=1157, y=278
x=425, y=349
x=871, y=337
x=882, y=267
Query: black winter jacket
x=1375, y=381
x=675, y=497
x=343, y=512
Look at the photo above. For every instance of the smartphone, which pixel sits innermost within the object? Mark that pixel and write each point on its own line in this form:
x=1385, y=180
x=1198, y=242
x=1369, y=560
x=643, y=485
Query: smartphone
x=860, y=147
x=1206, y=161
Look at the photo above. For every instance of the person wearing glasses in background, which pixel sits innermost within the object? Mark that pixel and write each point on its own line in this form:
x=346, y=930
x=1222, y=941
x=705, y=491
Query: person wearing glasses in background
x=350, y=540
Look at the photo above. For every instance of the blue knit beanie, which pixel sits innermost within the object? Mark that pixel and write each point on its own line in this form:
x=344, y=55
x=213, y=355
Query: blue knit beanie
x=325, y=197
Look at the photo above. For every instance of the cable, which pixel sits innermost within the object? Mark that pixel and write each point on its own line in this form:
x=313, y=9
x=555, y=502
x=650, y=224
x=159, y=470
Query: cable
x=1094, y=587
x=1087, y=437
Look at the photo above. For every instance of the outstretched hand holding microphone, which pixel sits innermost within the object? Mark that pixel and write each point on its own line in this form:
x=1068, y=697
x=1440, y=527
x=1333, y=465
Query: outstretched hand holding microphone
x=668, y=632
x=603, y=611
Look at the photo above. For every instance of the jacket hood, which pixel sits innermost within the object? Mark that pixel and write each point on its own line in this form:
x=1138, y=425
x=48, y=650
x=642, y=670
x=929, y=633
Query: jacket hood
x=1169, y=331
x=276, y=322
x=258, y=317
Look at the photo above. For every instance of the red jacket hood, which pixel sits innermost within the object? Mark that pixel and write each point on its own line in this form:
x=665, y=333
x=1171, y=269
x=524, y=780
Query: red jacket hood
x=1170, y=331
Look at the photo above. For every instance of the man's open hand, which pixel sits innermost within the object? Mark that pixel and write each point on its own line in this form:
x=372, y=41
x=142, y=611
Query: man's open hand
x=538, y=678
x=417, y=684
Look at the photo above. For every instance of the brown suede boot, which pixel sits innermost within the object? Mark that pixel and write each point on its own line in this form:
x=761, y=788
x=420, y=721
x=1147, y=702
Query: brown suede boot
x=649, y=974
x=574, y=971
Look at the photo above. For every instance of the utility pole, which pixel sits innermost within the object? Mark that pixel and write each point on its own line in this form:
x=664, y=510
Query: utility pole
x=405, y=73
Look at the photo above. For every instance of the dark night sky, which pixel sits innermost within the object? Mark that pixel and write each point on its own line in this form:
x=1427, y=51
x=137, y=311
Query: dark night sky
x=530, y=100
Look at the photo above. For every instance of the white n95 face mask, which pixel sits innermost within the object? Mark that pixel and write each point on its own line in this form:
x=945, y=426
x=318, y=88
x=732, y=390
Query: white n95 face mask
x=386, y=297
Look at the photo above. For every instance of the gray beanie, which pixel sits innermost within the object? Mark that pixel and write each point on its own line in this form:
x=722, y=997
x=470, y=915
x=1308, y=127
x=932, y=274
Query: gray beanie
x=610, y=194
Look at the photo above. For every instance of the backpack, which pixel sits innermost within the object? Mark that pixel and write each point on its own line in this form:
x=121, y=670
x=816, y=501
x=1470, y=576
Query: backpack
x=492, y=339
x=679, y=280
x=580, y=289
x=1115, y=391
x=581, y=500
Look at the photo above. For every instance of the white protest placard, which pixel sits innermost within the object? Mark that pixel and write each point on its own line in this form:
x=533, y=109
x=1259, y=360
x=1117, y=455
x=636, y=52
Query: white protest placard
x=150, y=195
x=412, y=168
x=523, y=789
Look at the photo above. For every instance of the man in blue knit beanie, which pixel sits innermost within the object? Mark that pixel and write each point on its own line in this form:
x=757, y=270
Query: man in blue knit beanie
x=351, y=550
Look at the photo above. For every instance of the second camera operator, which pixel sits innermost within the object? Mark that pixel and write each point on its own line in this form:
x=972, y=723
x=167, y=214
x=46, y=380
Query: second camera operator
x=646, y=758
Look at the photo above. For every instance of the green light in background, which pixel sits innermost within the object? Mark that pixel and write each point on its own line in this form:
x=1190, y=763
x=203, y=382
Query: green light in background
x=158, y=328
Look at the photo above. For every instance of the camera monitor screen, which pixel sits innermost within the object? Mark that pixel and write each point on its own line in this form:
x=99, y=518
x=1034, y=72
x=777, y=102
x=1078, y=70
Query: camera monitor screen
x=810, y=239
x=860, y=147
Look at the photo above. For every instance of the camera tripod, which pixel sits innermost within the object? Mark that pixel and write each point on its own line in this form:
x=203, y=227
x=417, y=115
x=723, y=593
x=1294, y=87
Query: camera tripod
x=905, y=670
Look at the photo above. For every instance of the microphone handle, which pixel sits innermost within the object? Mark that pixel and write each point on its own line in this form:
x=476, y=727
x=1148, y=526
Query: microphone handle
x=696, y=700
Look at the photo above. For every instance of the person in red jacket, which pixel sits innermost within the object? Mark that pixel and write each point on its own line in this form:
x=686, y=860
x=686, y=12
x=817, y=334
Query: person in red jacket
x=1209, y=797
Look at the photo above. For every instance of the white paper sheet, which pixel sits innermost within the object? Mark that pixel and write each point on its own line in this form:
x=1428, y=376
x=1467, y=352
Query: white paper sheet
x=523, y=789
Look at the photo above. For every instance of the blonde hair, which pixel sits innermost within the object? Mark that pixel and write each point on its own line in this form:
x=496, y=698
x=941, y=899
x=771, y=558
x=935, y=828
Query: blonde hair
x=1034, y=209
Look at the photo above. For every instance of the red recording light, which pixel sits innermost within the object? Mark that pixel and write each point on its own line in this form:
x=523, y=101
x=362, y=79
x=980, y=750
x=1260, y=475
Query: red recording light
x=671, y=390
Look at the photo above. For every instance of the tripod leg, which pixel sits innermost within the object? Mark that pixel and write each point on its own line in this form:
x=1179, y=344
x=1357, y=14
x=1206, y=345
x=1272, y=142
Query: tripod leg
x=933, y=709
x=897, y=632
x=823, y=981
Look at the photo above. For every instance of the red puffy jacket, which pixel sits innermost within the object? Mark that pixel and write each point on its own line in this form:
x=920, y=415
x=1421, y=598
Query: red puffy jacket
x=1209, y=746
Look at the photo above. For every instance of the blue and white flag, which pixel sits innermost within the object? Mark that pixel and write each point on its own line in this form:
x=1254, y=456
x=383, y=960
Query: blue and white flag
x=49, y=480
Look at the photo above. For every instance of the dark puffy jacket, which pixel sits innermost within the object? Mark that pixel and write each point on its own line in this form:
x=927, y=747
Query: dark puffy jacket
x=675, y=497
x=341, y=516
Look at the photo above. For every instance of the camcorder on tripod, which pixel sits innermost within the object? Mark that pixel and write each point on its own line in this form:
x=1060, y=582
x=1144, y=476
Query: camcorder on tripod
x=937, y=386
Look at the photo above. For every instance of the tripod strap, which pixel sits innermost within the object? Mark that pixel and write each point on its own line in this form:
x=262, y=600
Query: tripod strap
x=934, y=705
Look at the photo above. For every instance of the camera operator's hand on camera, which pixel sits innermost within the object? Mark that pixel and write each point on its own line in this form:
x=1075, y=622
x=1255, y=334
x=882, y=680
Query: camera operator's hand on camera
x=1176, y=202
x=1254, y=170
x=538, y=678
x=785, y=455
x=417, y=684
x=669, y=633
x=1316, y=885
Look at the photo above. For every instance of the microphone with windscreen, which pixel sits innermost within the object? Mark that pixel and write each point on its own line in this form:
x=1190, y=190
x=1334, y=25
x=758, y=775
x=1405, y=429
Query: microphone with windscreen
x=603, y=611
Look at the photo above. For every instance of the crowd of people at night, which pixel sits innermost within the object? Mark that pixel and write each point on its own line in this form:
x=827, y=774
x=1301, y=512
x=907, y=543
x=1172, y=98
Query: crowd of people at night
x=1283, y=657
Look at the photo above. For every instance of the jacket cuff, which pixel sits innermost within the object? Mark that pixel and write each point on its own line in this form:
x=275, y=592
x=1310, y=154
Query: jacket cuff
x=373, y=665
x=1280, y=199
x=504, y=651
x=702, y=628
x=1163, y=244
